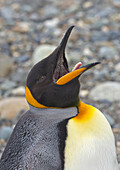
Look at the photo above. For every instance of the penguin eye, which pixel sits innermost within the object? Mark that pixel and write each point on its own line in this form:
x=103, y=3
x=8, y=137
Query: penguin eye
x=41, y=79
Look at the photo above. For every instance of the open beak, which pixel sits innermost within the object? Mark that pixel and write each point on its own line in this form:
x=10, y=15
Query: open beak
x=75, y=73
x=61, y=73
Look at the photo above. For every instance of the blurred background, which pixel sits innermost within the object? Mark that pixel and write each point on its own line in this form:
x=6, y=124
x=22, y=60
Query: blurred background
x=30, y=30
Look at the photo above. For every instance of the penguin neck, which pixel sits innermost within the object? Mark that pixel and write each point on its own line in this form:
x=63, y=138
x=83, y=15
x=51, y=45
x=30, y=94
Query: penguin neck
x=55, y=112
x=85, y=112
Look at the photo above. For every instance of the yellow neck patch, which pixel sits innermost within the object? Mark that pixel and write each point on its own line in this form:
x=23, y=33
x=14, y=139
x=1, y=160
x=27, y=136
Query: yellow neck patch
x=85, y=112
x=30, y=99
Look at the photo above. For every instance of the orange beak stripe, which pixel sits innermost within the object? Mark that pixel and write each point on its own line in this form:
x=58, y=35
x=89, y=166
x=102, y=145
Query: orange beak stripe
x=68, y=77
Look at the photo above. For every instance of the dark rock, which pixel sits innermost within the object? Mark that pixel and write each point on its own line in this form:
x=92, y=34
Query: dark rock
x=7, y=12
x=50, y=11
x=107, y=52
x=106, y=91
x=5, y=132
x=7, y=85
x=19, y=76
x=22, y=59
x=101, y=36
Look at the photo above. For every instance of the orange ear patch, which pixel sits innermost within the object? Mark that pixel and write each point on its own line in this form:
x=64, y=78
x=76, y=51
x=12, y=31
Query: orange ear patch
x=30, y=99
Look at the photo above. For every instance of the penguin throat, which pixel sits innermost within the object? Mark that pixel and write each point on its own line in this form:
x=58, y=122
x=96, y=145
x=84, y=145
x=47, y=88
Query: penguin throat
x=62, y=68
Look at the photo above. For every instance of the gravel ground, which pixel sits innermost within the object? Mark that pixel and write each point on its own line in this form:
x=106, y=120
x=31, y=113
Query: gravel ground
x=29, y=28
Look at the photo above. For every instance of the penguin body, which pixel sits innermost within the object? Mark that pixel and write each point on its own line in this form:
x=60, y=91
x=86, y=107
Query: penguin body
x=92, y=141
x=59, y=132
x=37, y=143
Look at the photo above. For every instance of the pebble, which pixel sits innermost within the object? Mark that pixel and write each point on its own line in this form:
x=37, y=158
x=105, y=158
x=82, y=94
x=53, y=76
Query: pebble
x=116, y=3
x=83, y=93
x=106, y=11
x=50, y=11
x=108, y=91
x=41, y=52
x=107, y=52
x=27, y=8
x=87, y=4
x=87, y=52
x=6, y=65
x=71, y=10
x=5, y=132
x=99, y=24
x=73, y=58
x=7, y=85
x=119, y=160
x=9, y=107
x=51, y=23
x=7, y=12
x=15, y=6
x=22, y=59
x=101, y=75
x=35, y=17
x=117, y=67
x=19, y=91
x=19, y=76
x=105, y=36
x=22, y=27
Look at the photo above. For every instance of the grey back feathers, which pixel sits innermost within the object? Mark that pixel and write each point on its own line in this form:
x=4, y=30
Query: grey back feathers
x=38, y=140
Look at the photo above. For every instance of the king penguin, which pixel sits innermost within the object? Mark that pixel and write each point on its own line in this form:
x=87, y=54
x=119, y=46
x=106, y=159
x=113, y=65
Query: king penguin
x=59, y=131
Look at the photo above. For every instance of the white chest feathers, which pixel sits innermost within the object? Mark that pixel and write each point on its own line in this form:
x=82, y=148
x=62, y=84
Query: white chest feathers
x=90, y=144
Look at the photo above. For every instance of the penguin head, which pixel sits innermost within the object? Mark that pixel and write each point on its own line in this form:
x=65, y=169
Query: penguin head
x=50, y=84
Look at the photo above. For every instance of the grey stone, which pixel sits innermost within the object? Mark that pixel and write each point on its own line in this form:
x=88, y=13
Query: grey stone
x=22, y=27
x=119, y=165
x=5, y=132
x=50, y=11
x=7, y=85
x=19, y=91
x=10, y=22
x=113, y=35
x=99, y=24
x=102, y=74
x=107, y=52
x=73, y=58
x=27, y=8
x=117, y=67
x=9, y=107
x=105, y=36
x=7, y=12
x=6, y=64
x=119, y=159
x=19, y=76
x=51, y=23
x=108, y=91
x=35, y=17
x=34, y=4
x=116, y=3
x=105, y=12
x=41, y=52
x=22, y=59
x=72, y=9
